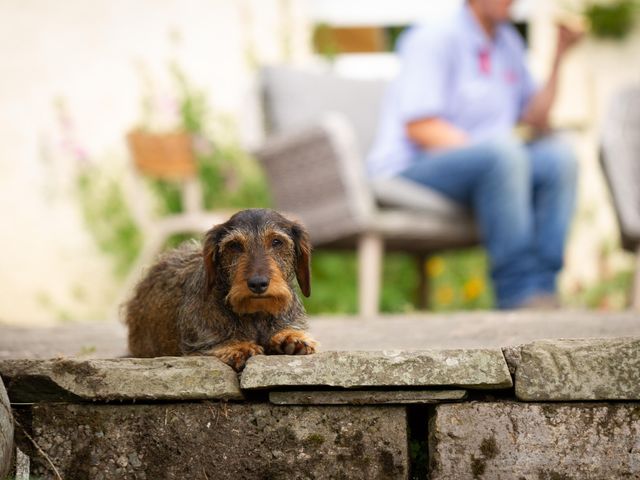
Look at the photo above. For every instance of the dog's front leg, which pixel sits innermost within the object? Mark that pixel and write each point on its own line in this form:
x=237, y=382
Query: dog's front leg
x=235, y=353
x=290, y=341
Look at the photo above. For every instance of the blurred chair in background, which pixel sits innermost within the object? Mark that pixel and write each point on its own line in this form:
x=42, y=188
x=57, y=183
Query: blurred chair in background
x=169, y=157
x=620, y=160
x=320, y=127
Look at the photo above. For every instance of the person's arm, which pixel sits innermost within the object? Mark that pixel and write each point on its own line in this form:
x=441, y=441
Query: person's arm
x=427, y=56
x=435, y=133
x=536, y=113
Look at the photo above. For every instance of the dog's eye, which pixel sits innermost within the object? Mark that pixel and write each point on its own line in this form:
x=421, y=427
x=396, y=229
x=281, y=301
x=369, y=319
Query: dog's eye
x=235, y=247
x=276, y=243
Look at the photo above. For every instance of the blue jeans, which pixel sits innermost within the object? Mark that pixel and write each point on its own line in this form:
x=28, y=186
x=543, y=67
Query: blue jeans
x=522, y=196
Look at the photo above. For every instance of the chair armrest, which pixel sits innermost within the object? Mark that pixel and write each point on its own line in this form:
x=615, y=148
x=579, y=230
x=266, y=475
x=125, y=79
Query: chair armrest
x=316, y=174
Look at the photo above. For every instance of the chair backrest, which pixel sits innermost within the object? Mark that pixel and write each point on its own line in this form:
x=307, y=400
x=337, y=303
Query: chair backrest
x=295, y=98
x=314, y=174
x=620, y=159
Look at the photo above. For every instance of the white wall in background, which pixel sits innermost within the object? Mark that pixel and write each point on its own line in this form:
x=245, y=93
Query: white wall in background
x=396, y=12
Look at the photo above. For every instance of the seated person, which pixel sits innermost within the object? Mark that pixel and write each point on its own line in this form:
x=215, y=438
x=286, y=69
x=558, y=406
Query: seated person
x=448, y=123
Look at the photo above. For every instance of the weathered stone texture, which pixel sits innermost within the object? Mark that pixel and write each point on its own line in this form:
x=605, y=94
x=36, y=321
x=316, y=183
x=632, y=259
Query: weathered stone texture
x=366, y=397
x=164, y=378
x=6, y=432
x=529, y=441
x=472, y=368
x=220, y=441
x=593, y=369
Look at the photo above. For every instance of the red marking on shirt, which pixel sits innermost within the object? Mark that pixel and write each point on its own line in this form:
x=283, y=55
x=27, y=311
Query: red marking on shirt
x=484, y=61
x=511, y=77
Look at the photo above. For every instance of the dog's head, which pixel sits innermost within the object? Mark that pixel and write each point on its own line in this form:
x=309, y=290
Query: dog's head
x=255, y=255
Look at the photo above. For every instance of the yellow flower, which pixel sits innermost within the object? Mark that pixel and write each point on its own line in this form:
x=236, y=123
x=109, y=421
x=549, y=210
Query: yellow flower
x=444, y=295
x=435, y=266
x=473, y=288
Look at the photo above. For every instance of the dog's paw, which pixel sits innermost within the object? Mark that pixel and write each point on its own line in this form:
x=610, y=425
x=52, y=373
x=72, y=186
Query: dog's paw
x=236, y=354
x=292, y=342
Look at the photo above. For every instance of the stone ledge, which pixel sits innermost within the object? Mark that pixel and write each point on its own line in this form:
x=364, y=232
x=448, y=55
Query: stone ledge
x=123, y=379
x=547, y=370
x=472, y=368
x=584, y=369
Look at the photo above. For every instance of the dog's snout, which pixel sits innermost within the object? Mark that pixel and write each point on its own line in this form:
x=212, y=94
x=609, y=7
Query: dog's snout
x=258, y=284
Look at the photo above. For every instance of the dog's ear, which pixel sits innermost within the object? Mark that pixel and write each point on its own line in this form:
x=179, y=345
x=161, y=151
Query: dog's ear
x=209, y=254
x=303, y=257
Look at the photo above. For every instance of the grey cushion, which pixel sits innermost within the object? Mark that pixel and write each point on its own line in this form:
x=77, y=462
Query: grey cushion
x=405, y=194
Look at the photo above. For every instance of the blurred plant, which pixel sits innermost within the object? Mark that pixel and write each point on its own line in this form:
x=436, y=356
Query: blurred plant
x=608, y=294
x=229, y=176
x=612, y=289
x=457, y=282
x=335, y=283
x=394, y=33
x=611, y=19
x=324, y=42
x=108, y=216
x=101, y=199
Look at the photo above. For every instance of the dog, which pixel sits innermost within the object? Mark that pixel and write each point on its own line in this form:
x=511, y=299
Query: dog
x=232, y=297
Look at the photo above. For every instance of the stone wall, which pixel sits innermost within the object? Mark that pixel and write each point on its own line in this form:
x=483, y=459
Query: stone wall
x=547, y=410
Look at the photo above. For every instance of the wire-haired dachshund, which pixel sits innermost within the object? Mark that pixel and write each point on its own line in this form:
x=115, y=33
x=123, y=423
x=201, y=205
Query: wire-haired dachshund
x=232, y=297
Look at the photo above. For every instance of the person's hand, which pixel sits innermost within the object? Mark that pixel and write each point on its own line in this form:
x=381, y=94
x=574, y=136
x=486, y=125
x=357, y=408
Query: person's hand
x=567, y=38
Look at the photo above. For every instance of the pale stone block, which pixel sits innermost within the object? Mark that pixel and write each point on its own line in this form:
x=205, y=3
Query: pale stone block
x=163, y=378
x=470, y=368
x=533, y=441
x=589, y=369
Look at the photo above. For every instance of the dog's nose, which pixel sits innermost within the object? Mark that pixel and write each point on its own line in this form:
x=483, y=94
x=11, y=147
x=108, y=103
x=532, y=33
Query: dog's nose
x=258, y=284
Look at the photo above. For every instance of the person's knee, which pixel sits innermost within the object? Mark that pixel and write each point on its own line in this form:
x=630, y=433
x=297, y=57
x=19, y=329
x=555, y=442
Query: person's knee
x=561, y=165
x=506, y=158
x=566, y=162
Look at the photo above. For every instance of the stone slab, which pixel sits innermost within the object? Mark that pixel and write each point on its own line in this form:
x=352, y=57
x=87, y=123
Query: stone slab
x=471, y=368
x=587, y=369
x=366, y=397
x=219, y=441
x=163, y=378
x=530, y=441
x=6, y=432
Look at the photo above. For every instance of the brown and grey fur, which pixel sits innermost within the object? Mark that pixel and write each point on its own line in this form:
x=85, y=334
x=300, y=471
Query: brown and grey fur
x=198, y=299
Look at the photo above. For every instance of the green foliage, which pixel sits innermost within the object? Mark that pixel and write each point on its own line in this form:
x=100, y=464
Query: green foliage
x=229, y=176
x=611, y=20
x=168, y=196
x=109, y=218
x=457, y=282
x=333, y=283
x=193, y=102
x=232, y=179
x=324, y=42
